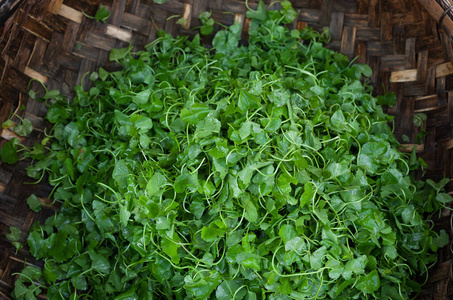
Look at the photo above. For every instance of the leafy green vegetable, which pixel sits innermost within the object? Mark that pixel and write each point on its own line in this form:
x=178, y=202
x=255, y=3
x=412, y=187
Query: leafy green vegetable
x=208, y=23
x=24, y=128
x=29, y=284
x=14, y=237
x=8, y=152
x=102, y=15
x=8, y=123
x=257, y=170
x=34, y=203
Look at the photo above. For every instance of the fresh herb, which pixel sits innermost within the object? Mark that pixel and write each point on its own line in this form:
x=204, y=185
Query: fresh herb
x=102, y=14
x=182, y=21
x=208, y=23
x=8, y=152
x=14, y=237
x=33, y=203
x=7, y=124
x=419, y=121
x=29, y=283
x=24, y=128
x=265, y=171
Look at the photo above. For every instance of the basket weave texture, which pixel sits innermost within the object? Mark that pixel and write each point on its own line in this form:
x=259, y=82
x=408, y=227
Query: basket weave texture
x=53, y=42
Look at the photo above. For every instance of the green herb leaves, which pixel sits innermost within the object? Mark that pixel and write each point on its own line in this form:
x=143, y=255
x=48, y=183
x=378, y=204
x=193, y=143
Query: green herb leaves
x=102, y=14
x=34, y=203
x=265, y=170
x=14, y=237
x=8, y=152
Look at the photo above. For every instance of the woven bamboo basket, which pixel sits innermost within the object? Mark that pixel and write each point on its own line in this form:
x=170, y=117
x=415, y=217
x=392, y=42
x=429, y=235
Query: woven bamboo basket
x=407, y=43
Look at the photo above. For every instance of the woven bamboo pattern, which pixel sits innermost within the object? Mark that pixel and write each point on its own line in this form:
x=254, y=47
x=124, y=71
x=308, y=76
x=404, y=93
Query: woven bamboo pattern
x=53, y=42
x=447, y=6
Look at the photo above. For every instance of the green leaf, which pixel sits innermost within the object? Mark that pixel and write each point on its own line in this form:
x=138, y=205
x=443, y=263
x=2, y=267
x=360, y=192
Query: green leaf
x=118, y=54
x=368, y=163
x=249, y=260
x=69, y=167
x=245, y=131
x=37, y=152
x=204, y=16
x=444, y=198
x=363, y=69
x=235, y=191
x=388, y=99
x=186, y=181
x=259, y=14
x=212, y=232
x=247, y=101
x=99, y=262
x=197, y=207
x=338, y=120
x=296, y=244
x=23, y=292
x=144, y=125
x=51, y=94
x=207, y=127
x=438, y=185
x=14, y=234
x=195, y=113
x=250, y=296
x=284, y=182
x=369, y=283
x=7, y=124
x=156, y=184
x=142, y=97
x=317, y=258
x=251, y=213
x=71, y=133
x=279, y=97
x=201, y=285
x=56, y=113
x=170, y=248
x=159, y=1
x=160, y=269
x=39, y=246
x=32, y=94
x=103, y=74
x=390, y=252
x=125, y=214
x=337, y=170
x=246, y=174
x=336, y=269
x=230, y=289
x=289, y=13
x=356, y=265
x=102, y=14
x=51, y=271
x=287, y=233
x=33, y=203
x=208, y=23
x=442, y=240
x=120, y=173
x=182, y=22
x=8, y=152
x=32, y=272
x=307, y=195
